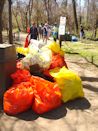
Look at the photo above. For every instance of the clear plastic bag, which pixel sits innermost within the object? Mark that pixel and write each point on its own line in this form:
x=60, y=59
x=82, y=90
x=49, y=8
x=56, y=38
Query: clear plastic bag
x=41, y=58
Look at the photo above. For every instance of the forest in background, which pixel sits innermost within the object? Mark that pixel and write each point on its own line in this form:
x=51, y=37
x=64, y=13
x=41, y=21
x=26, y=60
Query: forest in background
x=23, y=12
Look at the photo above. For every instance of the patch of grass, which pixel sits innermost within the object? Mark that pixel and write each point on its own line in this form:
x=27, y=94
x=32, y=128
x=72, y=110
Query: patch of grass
x=88, y=51
x=89, y=34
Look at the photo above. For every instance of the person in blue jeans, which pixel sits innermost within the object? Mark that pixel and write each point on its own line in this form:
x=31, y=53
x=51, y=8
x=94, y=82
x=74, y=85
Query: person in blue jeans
x=55, y=32
x=45, y=32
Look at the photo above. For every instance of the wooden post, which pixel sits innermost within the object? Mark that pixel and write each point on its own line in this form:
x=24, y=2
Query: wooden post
x=7, y=66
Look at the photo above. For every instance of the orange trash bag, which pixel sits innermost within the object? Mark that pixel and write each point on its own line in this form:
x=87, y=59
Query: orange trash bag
x=21, y=75
x=47, y=95
x=18, y=99
x=57, y=61
x=35, y=80
x=47, y=74
x=27, y=42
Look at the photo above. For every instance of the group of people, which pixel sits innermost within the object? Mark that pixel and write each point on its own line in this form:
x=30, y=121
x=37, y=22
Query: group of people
x=44, y=31
x=41, y=32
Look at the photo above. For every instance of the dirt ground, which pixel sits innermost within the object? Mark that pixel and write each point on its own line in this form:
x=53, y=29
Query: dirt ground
x=77, y=115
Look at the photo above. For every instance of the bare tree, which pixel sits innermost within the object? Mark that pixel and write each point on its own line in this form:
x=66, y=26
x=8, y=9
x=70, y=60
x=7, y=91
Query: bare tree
x=50, y=9
x=88, y=11
x=15, y=13
x=5, y=17
x=46, y=4
x=80, y=17
x=94, y=11
x=30, y=7
x=1, y=10
x=28, y=13
x=75, y=16
x=10, y=23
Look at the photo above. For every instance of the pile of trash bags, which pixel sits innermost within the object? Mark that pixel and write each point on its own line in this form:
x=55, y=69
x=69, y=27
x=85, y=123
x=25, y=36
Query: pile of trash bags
x=41, y=95
x=33, y=91
x=41, y=58
x=36, y=93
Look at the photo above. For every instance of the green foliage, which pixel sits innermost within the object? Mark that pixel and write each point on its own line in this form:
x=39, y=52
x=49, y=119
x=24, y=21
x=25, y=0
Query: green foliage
x=88, y=51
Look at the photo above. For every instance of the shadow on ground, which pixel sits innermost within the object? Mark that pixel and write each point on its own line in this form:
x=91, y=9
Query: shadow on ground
x=58, y=113
x=1, y=109
x=80, y=104
x=28, y=115
x=91, y=79
x=54, y=114
x=91, y=88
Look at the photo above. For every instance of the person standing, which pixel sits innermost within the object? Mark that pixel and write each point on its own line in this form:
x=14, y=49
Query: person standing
x=40, y=30
x=55, y=32
x=82, y=34
x=49, y=32
x=45, y=32
x=33, y=31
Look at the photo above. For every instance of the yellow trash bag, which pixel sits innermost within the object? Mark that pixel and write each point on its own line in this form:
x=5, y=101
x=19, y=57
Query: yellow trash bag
x=69, y=83
x=22, y=50
x=55, y=47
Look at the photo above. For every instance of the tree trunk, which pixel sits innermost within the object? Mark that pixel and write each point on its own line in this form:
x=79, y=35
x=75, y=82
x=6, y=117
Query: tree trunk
x=87, y=19
x=1, y=10
x=1, y=41
x=37, y=12
x=26, y=18
x=95, y=31
x=49, y=12
x=10, y=23
x=15, y=15
x=80, y=19
x=46, y=3
x=95, y=18
x=30, y=11
x=75, y=16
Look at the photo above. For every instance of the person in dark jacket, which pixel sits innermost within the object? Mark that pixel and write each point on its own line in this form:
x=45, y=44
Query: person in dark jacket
x=82, y=34
x=34, y=31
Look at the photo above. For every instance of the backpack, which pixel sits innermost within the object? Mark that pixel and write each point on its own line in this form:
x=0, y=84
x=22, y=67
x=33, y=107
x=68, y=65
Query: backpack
x=45, y=30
